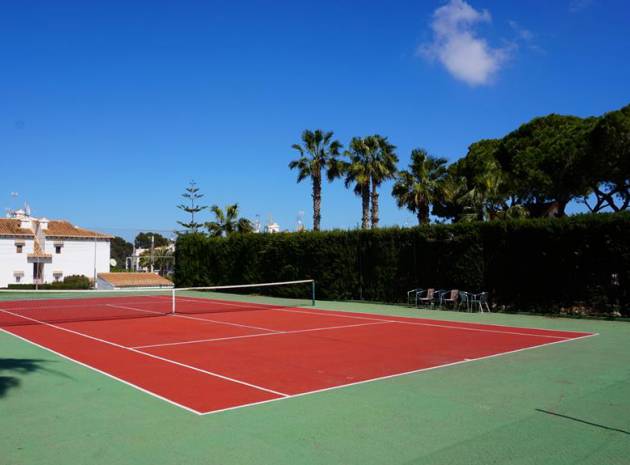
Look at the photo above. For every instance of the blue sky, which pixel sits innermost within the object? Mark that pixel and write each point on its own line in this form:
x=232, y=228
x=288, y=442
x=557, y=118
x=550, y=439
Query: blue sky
x=109, y=109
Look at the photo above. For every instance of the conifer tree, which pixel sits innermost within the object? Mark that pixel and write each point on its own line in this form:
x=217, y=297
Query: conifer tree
x=192, y=195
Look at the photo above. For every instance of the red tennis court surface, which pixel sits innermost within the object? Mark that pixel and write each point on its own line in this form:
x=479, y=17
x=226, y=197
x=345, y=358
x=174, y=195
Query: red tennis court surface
x=217, y=361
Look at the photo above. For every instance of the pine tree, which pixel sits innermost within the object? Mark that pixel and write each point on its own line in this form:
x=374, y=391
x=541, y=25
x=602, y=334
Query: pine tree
x=192, y=194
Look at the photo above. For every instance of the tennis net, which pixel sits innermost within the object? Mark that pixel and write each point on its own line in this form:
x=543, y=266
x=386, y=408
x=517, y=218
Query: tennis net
x=24, y=307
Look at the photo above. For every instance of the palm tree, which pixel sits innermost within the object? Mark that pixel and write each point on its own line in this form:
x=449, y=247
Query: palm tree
x=487, y=199
x=382, y=167
x=419, y=187
x=318, y=152
x=228, y=222
x=358, y=173
x=161, y=259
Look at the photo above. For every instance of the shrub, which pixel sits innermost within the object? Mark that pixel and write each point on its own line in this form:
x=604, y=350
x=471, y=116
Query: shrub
x=541, y=265
x=69, y=282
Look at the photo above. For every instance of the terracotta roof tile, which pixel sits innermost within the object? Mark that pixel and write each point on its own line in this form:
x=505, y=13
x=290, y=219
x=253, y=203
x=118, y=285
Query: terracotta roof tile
x=10, y=227
x=65, y=229
x=135, y=279
x=56, y=228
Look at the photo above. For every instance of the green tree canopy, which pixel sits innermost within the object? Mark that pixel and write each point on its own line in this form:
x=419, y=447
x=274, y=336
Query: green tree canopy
x=476, y=188
x=143, y=240
x=544, y=161
x=610, y=161
x=421, y=185
x=228, y=222
x=318, y=152
x=120, y=249
x=192, y=196
x=161, y=260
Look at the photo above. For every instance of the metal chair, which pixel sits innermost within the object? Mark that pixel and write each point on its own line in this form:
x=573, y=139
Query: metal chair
x=438, y=298
x=451, y=298
x=428, y=297
x=464, y=299
x=414, y=293
x=480, y=300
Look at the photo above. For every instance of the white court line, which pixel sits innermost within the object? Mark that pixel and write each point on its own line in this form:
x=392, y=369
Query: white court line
x=197, y=341
x=396, y=375
x=254, y=306
x=341, y=313
x=435, y=325
x=336, y=313
x=157, y=357
x=447, y=326
x=103, y=372
x=45, y=306
x=516, y=333
x=283, y=396
x=226, y=323
x=232, y=286
x=154, y=312
x=199, y=319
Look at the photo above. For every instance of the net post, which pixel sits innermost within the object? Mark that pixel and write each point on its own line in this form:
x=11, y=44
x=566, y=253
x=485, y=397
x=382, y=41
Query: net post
x=313, y=292
x=173, y=300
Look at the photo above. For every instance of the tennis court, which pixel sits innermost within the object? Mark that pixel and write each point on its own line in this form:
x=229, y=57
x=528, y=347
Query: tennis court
x=210, y=350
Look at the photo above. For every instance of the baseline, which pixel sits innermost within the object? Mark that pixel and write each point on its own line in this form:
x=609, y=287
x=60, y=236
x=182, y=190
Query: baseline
x=447, y=325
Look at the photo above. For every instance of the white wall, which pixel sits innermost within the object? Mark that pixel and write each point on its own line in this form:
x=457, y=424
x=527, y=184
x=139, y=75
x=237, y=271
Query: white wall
x=76, y=258
x=11, y=261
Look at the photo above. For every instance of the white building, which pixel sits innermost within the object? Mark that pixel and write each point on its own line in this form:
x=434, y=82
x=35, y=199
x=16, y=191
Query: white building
x=38, y=250
x=272, y=227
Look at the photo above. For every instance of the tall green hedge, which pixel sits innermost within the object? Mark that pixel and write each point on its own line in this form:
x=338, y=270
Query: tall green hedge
x=544, y=264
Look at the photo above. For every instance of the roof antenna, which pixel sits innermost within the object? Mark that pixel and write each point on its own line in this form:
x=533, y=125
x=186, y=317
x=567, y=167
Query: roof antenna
x=10, y=211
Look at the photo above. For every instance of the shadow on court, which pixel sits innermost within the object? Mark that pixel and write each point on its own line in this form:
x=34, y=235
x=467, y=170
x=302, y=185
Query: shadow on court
x=579, y=420
x=19, y=367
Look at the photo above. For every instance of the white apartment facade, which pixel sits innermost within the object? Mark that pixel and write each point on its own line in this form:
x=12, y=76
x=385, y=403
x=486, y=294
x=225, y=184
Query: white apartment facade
x=38, y=250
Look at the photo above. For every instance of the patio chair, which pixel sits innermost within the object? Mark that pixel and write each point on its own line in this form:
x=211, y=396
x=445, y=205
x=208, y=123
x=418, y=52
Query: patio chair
x=464, y=300
x=428, y=297
x=451, y=298
x=481, y=301
x=412, y=296
x=438, y=296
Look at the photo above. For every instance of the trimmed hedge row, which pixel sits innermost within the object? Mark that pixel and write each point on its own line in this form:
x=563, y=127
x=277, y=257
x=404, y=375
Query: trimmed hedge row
x=69, y=282
x=544, y=264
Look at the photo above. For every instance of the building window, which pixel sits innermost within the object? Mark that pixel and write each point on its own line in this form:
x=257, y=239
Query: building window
x=18, y=248
x=18, y=275
x=57, y=249
x=57, y=277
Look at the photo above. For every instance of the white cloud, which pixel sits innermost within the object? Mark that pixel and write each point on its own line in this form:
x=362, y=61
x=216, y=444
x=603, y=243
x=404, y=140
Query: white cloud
x=456, y=45
x=526, y=37
x=521, y=32
x=578, y=5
